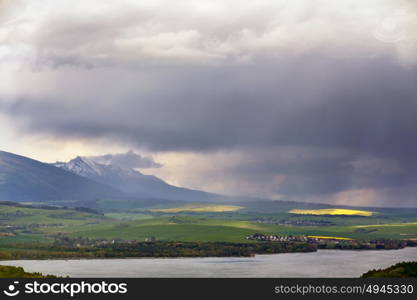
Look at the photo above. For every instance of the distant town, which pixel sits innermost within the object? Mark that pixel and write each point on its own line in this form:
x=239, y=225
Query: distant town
x=325, y=242
x=294, y=222
x=289, y=238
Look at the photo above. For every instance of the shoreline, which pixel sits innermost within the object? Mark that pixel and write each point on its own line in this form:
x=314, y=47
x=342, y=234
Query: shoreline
x=190, y=257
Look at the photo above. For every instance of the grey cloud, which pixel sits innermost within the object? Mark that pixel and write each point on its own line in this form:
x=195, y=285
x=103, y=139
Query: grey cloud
x=353, y=104
x=134, y=33
x=129, y=159
x=319, y=174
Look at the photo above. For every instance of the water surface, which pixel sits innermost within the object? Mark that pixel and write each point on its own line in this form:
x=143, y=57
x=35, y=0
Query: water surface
x=323, y=263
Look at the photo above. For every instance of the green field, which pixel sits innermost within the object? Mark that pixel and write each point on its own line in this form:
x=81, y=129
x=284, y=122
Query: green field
x=197, y=229
x=199, y=208
x=26, y=224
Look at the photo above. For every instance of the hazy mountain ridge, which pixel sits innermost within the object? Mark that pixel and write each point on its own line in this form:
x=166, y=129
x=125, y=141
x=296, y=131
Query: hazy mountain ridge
x=25, y=180
x=84, y=181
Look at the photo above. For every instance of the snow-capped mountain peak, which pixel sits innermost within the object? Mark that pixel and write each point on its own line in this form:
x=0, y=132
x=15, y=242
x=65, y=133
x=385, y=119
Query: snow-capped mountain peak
x=82, y=166
x=25, y=179
x=129, y=180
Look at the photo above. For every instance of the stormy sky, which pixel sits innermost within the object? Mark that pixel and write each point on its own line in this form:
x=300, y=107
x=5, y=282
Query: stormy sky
x=293, y=100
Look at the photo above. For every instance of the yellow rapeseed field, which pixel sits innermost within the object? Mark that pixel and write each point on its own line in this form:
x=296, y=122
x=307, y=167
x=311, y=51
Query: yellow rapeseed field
x=329, y=237
x=332, y=211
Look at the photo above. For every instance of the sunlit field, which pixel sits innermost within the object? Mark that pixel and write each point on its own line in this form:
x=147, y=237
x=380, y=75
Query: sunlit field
x=329, y=237
x=332, y=211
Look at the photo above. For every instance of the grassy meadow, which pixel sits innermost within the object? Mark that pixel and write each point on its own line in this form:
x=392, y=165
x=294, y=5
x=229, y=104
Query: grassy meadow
x=199, y=208
x=194, y=222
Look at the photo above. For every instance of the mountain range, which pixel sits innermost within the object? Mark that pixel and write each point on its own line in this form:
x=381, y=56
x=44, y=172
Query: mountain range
x=83, y=180
x=131, y=182
x=26, y=180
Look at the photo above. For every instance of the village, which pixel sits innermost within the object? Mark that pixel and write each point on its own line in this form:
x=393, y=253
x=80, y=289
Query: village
x=291, y=238
x=323, y=242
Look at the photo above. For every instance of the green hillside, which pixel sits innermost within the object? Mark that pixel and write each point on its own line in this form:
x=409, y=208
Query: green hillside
x=400, y=270
x=19, y=272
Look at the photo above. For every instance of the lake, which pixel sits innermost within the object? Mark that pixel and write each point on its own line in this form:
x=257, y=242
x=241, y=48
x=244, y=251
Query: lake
x=323, y=263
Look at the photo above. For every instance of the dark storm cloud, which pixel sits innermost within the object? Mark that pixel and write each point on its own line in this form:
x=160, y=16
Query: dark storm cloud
x=320, y=171
x=359, y=105
x=318, y=102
